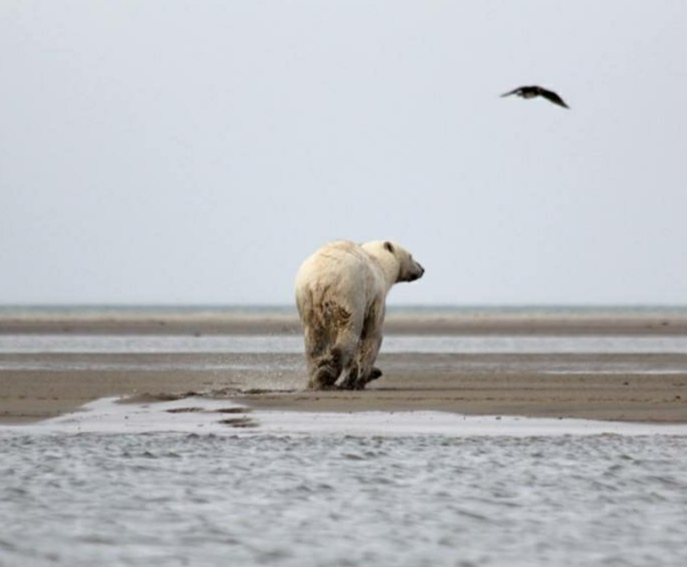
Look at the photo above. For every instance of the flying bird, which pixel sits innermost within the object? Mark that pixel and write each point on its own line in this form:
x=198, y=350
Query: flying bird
x=535, y=91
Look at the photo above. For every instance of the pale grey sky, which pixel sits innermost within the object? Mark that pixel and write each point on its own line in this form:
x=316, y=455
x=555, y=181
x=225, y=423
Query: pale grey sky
x=197, y=152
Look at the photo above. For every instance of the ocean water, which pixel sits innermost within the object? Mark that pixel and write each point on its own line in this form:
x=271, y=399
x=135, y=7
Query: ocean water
x=290, y=344
x=318, y=500
x=199, y=482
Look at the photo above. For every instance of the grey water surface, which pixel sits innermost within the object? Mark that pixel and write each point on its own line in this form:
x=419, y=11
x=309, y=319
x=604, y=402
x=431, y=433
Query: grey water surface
x=149, y=344
x=300, y=500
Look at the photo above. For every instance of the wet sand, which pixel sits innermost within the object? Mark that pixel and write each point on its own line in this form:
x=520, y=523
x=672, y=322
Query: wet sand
x=622, y=387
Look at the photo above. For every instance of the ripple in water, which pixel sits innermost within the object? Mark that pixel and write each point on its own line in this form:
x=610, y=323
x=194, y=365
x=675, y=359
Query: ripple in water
x=179, y=499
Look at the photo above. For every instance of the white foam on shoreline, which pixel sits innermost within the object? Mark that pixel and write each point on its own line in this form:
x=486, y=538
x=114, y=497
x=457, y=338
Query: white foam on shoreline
x=456, y=425
x=222, y=417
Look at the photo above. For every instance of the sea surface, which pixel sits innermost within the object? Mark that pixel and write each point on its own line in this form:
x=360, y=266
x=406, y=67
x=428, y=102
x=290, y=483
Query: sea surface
x=315, y=500
x=291, y=344
x=78, y=491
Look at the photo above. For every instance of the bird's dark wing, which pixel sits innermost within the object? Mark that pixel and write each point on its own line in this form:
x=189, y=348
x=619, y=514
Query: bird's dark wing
x=514, y=91
x=553, y=97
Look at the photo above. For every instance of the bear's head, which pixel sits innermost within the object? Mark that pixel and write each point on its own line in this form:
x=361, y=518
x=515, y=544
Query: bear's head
x=399, y=263
x=408, y=269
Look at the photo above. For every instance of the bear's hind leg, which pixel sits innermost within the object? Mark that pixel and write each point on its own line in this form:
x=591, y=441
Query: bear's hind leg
x=324, y=361
x=332, y=346
x=326, y=371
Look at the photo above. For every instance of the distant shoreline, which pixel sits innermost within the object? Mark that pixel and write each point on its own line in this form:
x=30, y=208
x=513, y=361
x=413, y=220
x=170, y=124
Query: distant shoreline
x=406, y=321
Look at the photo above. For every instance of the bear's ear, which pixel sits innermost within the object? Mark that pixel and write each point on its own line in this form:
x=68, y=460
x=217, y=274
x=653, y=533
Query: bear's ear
x=388, y=246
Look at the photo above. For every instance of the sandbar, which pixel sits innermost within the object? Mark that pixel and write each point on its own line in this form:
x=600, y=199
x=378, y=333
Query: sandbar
x=627, y=387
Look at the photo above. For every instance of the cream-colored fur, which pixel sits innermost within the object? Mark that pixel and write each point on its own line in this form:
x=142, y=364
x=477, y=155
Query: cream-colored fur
x=341, y=297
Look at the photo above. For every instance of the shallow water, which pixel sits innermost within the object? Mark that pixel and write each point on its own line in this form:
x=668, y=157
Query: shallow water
x=147, y=344
x=263, y=499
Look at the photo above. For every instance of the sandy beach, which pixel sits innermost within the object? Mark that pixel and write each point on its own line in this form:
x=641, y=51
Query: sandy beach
x=649, y=388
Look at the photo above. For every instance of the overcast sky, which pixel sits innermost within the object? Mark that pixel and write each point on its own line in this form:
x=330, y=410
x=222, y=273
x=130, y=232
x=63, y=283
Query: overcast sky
x=196, y=152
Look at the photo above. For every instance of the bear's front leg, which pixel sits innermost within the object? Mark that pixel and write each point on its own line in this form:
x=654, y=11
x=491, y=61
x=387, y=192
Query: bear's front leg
x=374, y=374
x=362, y=381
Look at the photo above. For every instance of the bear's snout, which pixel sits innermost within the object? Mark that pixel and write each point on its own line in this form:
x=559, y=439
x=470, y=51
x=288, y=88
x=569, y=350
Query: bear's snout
x=415, y=274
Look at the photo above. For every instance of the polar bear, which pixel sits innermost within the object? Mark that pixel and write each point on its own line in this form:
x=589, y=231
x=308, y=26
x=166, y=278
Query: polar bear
x=341, y=298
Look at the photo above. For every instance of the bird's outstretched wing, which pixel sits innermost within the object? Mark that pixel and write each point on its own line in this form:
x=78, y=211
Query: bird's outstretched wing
x=514, y=91
x=553, y=97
